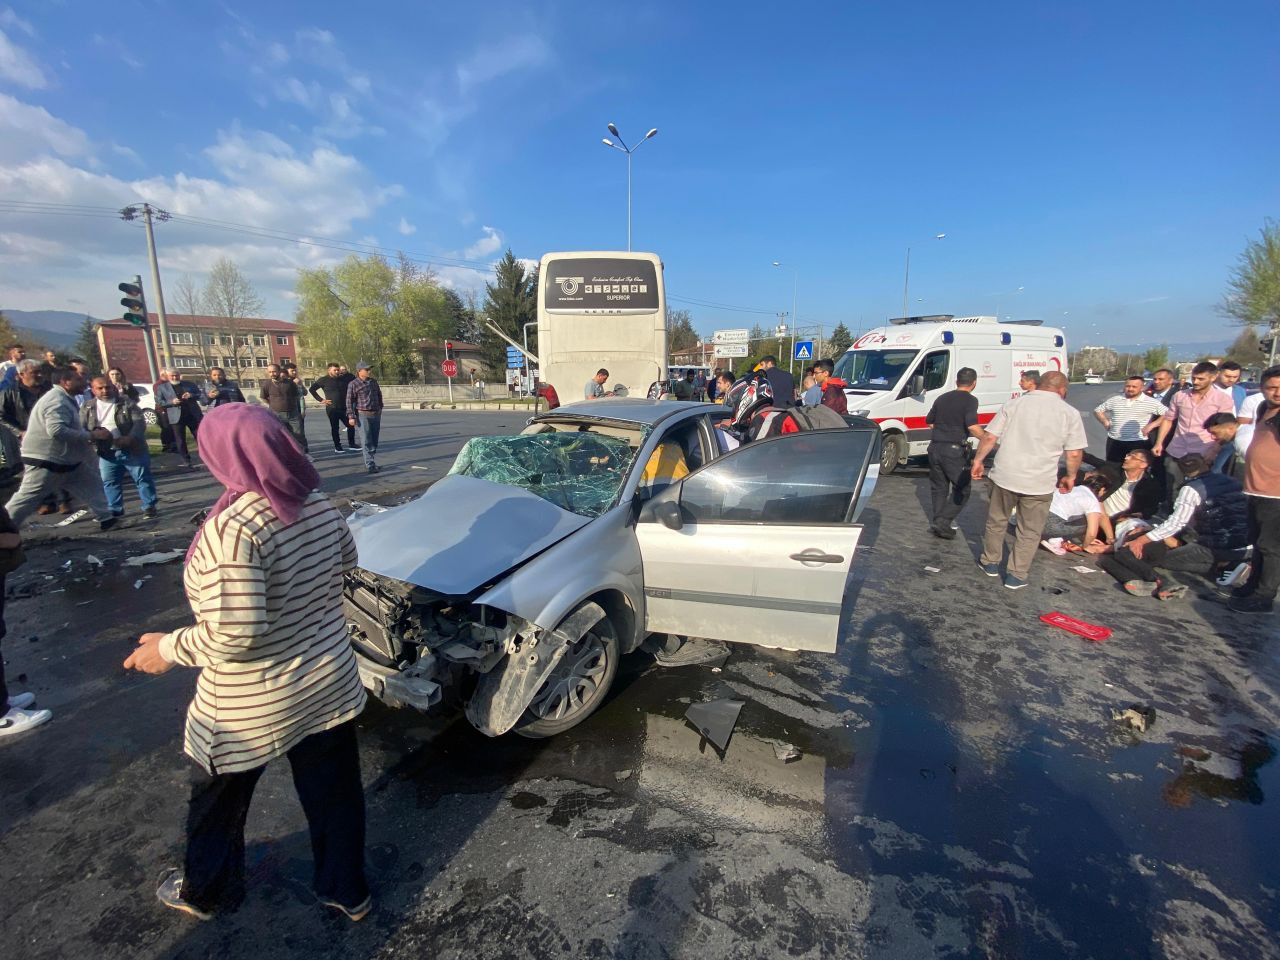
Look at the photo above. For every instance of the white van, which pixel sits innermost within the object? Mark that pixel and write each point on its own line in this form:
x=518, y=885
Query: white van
x=893, y=374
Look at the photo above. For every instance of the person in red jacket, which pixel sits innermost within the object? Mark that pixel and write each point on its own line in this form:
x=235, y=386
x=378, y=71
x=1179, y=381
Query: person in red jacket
x=832, y=386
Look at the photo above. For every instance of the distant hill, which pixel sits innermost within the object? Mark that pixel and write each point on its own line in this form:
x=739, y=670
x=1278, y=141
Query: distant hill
x=46, y=328
x=1179, y=352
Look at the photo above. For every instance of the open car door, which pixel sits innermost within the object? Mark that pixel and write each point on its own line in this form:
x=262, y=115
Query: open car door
x=756, y=546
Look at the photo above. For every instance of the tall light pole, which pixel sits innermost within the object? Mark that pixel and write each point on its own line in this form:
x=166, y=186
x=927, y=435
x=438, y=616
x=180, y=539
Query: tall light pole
x=795, y=286
x=906, y=275
x=628, y=151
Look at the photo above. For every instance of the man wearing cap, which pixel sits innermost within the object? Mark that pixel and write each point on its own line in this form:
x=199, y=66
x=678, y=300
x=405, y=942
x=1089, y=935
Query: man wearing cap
x=364, y=409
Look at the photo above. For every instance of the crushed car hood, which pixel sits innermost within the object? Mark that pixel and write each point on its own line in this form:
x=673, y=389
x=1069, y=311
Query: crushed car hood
x=461, y=534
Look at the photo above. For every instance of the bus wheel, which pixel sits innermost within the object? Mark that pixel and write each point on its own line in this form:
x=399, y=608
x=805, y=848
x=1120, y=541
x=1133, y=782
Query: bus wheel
x=891, y=452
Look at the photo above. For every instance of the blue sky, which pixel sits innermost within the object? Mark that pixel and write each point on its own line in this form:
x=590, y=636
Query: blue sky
x=1095, y=165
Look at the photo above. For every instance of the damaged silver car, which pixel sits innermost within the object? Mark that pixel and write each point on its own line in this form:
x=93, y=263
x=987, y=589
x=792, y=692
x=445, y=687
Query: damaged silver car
x=517, y=581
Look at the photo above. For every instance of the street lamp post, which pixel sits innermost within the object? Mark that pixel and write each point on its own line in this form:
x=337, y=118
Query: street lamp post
x=906, y=275
x=628, y=151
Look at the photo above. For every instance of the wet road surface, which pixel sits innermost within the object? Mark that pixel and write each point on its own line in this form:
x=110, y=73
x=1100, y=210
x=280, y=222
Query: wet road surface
x=962, y=789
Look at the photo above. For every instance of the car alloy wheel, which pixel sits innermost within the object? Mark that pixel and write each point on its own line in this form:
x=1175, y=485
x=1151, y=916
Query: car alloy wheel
x=577, y=685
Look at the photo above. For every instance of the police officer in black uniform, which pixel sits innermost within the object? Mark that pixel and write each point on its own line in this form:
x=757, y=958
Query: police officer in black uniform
x=954, y=418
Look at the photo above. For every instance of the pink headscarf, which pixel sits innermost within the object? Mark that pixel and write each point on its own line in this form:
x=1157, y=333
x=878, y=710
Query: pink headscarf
x=249, y=451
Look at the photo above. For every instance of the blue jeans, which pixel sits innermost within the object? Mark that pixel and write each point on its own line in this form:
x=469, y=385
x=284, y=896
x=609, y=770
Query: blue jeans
x=369, y=425
x=138, y=466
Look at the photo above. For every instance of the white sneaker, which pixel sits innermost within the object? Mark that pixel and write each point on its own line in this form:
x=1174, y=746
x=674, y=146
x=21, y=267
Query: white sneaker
x=1229, y=578
x=21, y=700
x=1054, y=545
x=18, y=721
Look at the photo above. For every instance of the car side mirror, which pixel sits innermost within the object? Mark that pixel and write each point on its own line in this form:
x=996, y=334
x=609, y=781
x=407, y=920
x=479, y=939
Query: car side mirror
x=664, y=510
x=917, y=385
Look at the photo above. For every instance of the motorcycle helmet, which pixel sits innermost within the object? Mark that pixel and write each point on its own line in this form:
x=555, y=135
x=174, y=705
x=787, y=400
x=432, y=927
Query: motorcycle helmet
x=749, y=395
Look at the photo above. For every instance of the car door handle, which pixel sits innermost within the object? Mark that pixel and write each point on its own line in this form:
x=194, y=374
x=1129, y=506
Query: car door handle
x=814, y=555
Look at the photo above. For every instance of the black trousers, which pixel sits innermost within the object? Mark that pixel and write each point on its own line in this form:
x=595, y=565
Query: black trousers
x=949, y=481
x=1117, y=450
x=326, y=774
x=4, y=691
x=338, y=416
x=1264, y=534
x=1190, y=557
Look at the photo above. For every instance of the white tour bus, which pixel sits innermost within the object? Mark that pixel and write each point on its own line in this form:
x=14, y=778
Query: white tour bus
x=601, y=310
x=893, y=374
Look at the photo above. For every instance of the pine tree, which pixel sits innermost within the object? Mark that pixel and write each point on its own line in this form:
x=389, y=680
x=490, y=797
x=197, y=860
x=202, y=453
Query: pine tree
x=86, y=345
x=839, y=341
x=511, y=301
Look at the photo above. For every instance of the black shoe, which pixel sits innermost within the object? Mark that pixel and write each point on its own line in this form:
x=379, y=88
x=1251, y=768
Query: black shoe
x=107, y=524
x=1250, y=605
x=943, y=533
x=337, y=450
x=150, y=512
x=117, y=513
x=170, y=894
x=354, y=914
x=373, y=468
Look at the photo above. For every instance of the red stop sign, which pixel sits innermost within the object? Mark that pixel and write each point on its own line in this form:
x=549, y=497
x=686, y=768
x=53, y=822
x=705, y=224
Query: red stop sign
x=449, y=368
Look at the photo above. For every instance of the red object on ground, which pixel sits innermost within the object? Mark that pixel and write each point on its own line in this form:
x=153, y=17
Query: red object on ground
x=1090, y=631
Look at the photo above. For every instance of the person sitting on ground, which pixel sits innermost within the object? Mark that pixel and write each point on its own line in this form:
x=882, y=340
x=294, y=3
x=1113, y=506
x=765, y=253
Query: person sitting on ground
x=1224, y=427
x=810, y=392
x=1139, y=491
x=1210, y=517
x=1076, y=513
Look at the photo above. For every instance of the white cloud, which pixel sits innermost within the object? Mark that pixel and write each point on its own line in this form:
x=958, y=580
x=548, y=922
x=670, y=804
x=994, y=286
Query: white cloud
x=27, y=131
x=19, y=66
x=10, y=19
x=489, y=244
x=406, y=228
x=508, y=55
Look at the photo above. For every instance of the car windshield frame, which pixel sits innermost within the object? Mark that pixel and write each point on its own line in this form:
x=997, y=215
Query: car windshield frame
x=565, y=462
x=870, y=365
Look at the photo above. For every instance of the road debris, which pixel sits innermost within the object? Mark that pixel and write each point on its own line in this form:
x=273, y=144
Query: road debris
x=159, y=557
x=785, y=752
x=72, y=519
x=715, y=719
x=1081, y=568
x=93, y=561
x=1137, y=717
x=1090, y=631
x=932, y=569
x=621, y=775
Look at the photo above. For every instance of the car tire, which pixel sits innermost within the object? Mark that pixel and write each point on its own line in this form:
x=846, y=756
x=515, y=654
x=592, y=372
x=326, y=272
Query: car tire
x=149, y=417
x=891, y=453
x=579, y=683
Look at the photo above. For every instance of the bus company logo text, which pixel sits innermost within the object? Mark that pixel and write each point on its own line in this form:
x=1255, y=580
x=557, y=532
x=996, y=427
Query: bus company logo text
x=623, y=287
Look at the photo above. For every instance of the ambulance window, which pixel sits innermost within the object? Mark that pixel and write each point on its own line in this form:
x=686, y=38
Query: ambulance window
x=934, y=369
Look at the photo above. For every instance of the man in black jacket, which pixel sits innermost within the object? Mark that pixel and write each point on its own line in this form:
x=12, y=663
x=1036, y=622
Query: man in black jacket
x=283, y=397
x=331, y=391
x=220, y=390
x=782, y=382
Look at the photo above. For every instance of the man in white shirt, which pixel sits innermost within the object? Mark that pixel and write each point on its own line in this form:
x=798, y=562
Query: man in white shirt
x=1075, y=513
x=1035, y=431
x=1128, y=419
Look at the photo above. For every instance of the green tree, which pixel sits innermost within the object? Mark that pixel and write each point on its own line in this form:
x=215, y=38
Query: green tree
x=681, y=337
x=839, y=341
x=511, y=301
x=1156, y=357
x=86, y=345
x=461, y=314
x=1253, y=296
x=8, y=336
x=1246, y=351
x=369, y=309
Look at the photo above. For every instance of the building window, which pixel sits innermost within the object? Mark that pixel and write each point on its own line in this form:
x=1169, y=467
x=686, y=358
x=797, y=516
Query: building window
x=187, y=362
x=229, y=362
x=242, y=341
x=282, y=341
x=210, y=339
x=259, y=340
x=264, y=362
x=184, y=338
x=225, y=340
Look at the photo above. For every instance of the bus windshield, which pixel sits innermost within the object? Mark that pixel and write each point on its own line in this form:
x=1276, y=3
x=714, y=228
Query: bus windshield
x=874, y=369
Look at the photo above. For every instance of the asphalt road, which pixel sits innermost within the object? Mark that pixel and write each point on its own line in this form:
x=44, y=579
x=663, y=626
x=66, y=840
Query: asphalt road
x=962, y=788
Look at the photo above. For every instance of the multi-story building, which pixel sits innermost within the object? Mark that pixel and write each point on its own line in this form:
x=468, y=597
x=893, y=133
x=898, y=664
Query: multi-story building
x=243, y=348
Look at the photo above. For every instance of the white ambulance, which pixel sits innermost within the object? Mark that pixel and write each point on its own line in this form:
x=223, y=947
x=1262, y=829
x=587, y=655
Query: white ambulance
x=893, y=374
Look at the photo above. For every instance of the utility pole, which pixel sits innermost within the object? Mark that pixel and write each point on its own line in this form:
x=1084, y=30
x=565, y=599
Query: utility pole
x=146, y=336
x=131, y=213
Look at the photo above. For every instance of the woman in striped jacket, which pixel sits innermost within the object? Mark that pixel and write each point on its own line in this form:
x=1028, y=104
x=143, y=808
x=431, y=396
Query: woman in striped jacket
x=277, y=674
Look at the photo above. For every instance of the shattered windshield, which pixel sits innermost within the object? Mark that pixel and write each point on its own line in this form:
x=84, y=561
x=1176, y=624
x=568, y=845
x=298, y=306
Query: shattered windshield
x=580, y=470
x=874, y=369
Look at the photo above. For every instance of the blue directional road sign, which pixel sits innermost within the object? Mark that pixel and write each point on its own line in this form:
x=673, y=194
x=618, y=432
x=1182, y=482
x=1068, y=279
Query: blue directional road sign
x=515, y=358
x=804, y=350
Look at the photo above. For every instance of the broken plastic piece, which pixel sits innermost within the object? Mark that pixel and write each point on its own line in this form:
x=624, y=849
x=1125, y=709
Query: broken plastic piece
x=1137, y=717
x=715, y=719
x=1081, y=568
x=143, y=559
x=933, y=569
x=137, y=584
x=785, y=752
x=93, y=561
x=1090, y=631
x=71, y=519
x=621, y=775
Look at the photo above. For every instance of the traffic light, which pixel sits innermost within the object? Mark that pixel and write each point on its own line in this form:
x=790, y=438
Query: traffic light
x=1266, y=343
x=135, y=308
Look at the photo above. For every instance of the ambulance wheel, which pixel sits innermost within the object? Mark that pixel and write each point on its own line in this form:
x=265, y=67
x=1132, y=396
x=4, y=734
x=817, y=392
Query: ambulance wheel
x=891, y=452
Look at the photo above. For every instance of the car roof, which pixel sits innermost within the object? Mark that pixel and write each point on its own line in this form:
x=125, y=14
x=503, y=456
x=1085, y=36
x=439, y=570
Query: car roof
x=638, y=410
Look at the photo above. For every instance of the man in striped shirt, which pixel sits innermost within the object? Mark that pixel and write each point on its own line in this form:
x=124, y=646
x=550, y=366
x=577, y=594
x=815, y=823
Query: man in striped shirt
x=1128, y=419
